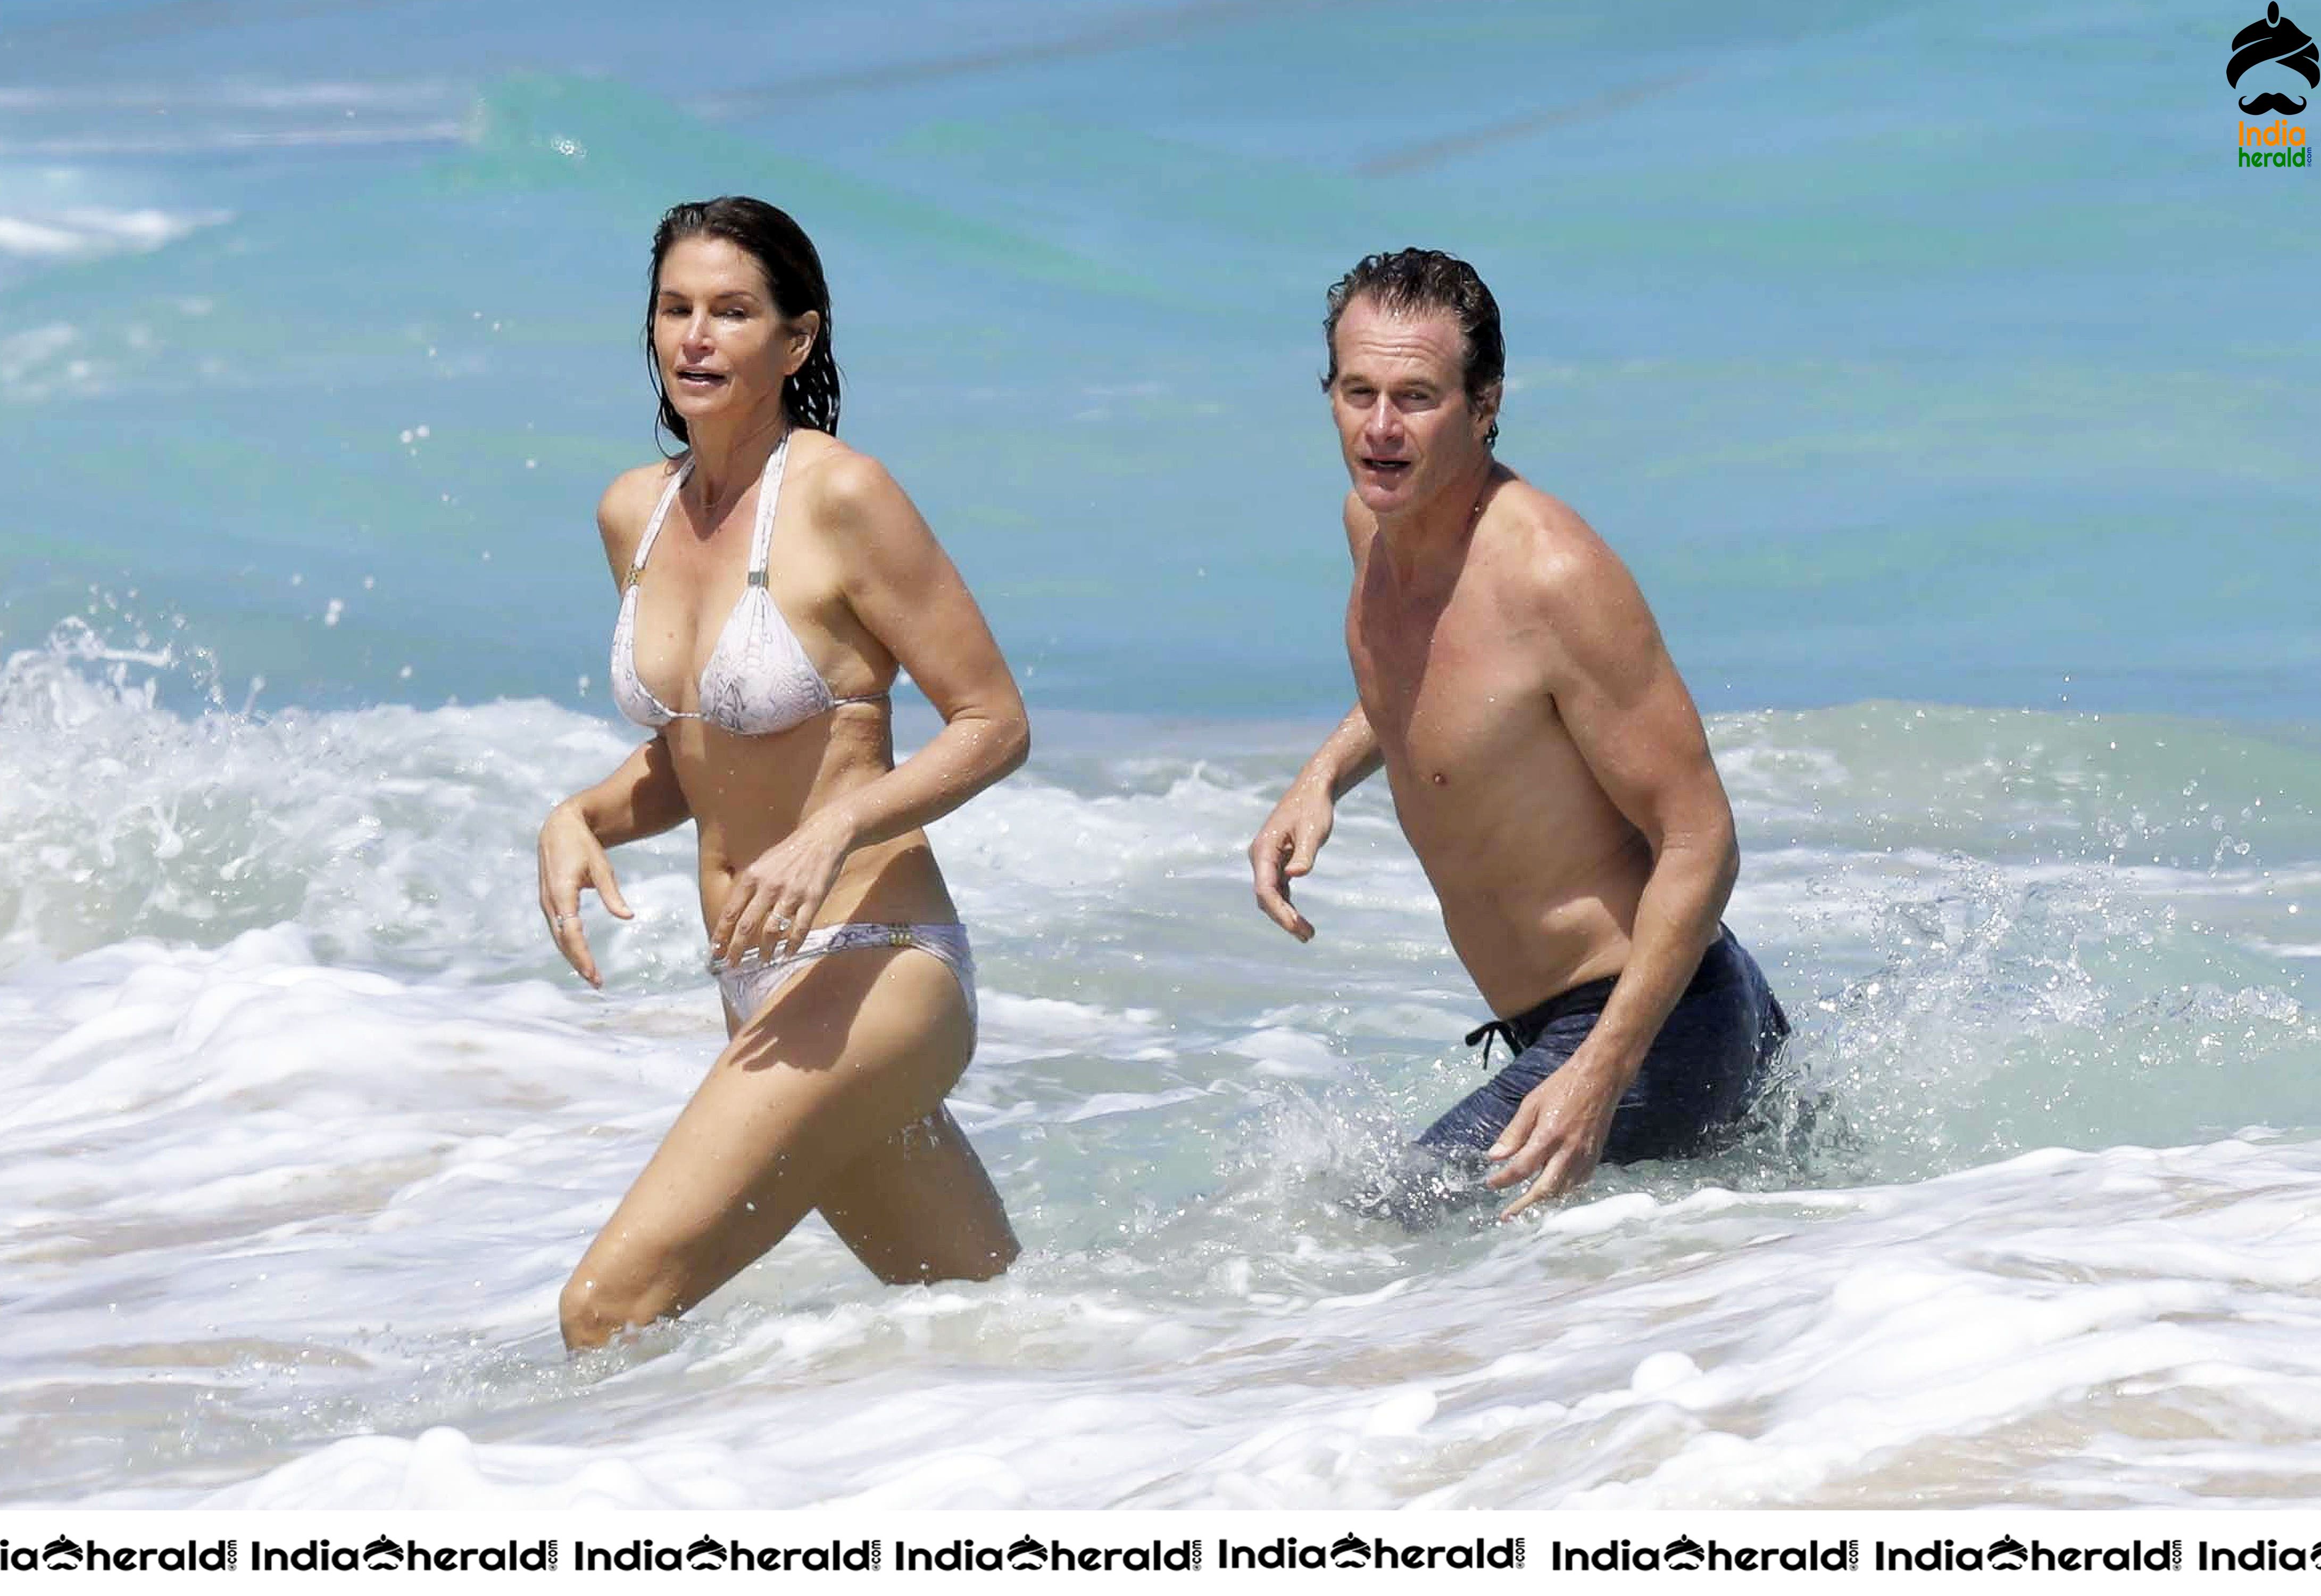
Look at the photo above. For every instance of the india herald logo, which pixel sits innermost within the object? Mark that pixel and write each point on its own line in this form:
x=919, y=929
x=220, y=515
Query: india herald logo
x=2276, y=40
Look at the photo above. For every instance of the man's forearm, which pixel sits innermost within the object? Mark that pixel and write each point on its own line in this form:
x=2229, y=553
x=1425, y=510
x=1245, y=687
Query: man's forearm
x=1347, y=758
x=1676, y=918
x=642, y=798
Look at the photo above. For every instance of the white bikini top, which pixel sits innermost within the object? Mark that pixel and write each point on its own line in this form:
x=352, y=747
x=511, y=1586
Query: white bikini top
x=757, y=680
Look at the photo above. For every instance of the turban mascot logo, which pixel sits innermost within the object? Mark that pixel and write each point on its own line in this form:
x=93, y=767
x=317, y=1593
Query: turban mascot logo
x=2275, y=39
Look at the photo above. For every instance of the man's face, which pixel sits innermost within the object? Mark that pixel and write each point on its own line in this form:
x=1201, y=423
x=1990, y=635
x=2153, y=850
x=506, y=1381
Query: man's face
x=1404, y=422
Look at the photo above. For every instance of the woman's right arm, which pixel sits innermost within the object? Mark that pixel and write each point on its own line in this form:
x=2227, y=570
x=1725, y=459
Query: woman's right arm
x=642, y=798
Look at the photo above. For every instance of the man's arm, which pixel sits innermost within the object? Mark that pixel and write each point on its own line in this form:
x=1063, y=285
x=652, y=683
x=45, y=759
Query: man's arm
x=1300, y=823
x=1347, y=758
x=1629, y=715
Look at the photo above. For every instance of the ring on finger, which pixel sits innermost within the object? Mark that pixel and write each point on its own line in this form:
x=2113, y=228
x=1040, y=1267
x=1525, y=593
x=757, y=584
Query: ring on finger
x=562, y=919
x=781, y=921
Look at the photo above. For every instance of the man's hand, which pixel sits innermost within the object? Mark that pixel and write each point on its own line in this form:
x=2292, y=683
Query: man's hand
x=1558, y=1133
x=1284, y=850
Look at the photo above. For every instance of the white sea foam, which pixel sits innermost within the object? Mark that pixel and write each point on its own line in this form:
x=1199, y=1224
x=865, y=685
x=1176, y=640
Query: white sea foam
x=99, y=146
x=233, y=93
x=302, y=1124
x=84, y=232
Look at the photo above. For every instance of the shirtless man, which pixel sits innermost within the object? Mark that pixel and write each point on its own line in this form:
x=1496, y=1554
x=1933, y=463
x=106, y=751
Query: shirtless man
x=1547, y=764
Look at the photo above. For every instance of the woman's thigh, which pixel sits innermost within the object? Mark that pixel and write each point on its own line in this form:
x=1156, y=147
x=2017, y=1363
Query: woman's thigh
x=919, y=1207
x=858, y=1045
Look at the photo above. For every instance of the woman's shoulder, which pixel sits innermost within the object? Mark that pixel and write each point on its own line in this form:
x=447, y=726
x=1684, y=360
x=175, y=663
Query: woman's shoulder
x=847, y=490
x=837, y=477
x=628, y=503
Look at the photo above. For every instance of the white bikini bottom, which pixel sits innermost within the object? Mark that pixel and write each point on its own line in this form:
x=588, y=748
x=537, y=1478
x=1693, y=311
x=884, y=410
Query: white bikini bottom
x=751, y=981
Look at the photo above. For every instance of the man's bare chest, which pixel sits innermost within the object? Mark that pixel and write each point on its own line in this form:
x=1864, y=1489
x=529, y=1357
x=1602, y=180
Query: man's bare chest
x=1450, y=690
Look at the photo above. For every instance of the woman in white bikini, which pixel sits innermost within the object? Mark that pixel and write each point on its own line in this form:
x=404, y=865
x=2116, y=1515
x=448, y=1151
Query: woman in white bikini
x=773, y=580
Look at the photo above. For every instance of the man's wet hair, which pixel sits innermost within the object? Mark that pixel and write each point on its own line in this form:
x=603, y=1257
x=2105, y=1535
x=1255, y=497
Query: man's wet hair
x=1422, y=280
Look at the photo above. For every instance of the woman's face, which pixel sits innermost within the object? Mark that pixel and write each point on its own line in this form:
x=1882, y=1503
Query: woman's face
x=721, y=344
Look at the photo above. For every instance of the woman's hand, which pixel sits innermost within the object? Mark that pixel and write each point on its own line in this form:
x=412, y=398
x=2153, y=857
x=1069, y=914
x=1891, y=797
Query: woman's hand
x=773, y=901
x=572, y=858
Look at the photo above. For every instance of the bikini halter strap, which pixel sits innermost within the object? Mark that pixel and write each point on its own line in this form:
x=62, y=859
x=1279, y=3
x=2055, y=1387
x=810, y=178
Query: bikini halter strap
x=762, y=533
x=770, y=493
x=660, y=514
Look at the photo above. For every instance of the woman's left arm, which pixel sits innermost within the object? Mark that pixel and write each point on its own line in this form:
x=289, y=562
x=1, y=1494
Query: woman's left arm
x=906, y=593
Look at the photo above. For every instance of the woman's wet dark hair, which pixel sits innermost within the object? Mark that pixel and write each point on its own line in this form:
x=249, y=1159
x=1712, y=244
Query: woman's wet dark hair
x=793, y=275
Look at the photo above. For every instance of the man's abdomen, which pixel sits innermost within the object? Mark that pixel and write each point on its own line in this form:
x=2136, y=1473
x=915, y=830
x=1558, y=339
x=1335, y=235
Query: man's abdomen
x=1539, y=901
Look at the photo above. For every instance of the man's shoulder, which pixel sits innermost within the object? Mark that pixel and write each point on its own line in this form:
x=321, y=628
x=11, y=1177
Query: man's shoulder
x=1549, y=551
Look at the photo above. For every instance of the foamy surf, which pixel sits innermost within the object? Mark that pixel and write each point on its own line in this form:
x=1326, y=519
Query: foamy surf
x=302, y=1125
x=320, y=343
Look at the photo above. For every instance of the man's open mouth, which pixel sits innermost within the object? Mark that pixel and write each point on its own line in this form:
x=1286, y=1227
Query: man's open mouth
x=1386, y=468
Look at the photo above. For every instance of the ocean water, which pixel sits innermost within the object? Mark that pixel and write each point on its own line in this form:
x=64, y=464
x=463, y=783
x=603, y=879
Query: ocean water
x=1943, y=379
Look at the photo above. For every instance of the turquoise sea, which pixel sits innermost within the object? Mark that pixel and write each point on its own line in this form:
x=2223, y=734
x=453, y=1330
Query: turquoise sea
x=1945, y=380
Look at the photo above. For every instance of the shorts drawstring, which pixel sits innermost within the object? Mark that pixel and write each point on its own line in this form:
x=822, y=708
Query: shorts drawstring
x=1490, y=1031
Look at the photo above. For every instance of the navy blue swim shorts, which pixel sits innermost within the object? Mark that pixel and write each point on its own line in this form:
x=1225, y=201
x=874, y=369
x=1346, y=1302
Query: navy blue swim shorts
x=1694, y=1090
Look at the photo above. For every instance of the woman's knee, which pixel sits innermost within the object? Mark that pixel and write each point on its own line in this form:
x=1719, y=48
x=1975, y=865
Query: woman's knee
x=995, y=1264
x=602, y=1300
x=586, y=1315
x=988, y=1260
